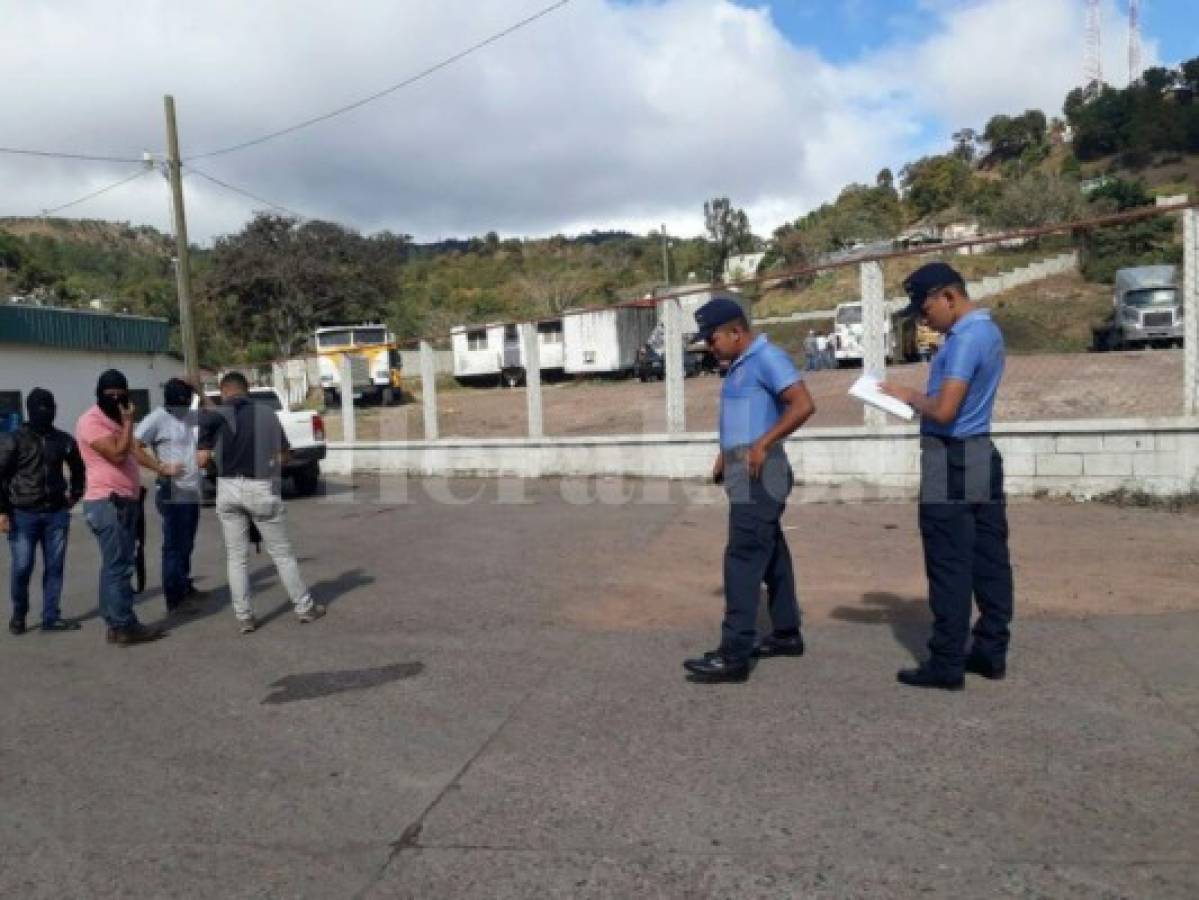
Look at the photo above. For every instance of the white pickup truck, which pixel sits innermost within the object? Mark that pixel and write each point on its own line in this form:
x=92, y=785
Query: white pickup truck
x=305, y=432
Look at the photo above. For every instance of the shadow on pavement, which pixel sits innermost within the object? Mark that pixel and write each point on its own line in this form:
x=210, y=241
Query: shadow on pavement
x=311, y=685
x=326, y=592
x=908, y=618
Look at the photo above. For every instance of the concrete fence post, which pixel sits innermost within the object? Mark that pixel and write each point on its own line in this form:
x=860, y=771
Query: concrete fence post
x=428, y=390
x=279, y=381
x=532, y=355
x=875, y=325
x=1190, y=307
x=672, y=350
x=349, y=432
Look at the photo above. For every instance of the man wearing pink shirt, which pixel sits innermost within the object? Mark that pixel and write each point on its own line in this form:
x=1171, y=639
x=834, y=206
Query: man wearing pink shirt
x=111, y=503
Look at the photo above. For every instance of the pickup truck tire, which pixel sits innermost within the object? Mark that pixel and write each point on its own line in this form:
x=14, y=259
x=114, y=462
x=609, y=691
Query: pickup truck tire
x=307, y=480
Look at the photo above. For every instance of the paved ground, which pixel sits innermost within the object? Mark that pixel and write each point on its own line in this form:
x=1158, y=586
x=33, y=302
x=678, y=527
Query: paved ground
x=495, y=708
x=1039, y=386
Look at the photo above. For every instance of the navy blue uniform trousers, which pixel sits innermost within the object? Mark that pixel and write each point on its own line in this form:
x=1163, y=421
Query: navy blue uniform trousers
x=756, y=553
x=963, y=525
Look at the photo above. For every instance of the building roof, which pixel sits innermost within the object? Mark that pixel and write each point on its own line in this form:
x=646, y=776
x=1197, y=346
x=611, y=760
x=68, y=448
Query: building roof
x=75, y=329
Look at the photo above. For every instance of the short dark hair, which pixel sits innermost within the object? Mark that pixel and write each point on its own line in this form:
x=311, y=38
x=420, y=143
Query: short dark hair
x=235, y=379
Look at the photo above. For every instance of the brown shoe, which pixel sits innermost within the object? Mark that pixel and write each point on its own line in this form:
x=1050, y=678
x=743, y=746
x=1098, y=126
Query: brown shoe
x=135, y=634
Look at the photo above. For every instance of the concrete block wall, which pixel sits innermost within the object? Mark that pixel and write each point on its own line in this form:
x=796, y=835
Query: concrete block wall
x=1075, y=458
x=1046, y=268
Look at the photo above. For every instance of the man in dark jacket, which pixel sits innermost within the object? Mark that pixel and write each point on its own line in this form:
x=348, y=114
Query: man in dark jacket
x=35, y=504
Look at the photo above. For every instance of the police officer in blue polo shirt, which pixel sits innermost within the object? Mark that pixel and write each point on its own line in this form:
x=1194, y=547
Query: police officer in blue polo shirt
x=963, y=513
x=762, y=401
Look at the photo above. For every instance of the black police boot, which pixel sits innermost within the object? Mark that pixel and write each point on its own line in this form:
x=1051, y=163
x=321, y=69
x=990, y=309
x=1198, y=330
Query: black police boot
x=710, y=669
x=16, y=626
x=779, y=645
x=924, y=677
x=980, y=665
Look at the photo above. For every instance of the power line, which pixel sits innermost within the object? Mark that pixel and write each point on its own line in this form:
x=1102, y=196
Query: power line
x=53, y=154
x=103, y=190
x=235, y=189
x=424, y=73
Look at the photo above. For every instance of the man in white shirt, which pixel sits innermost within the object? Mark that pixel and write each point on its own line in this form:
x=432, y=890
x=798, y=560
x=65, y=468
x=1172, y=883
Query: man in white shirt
x=821, y=352
x=167, y=444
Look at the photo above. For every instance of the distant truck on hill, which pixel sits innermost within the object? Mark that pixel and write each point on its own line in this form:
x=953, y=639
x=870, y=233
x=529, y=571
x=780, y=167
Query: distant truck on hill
x=1146, y=311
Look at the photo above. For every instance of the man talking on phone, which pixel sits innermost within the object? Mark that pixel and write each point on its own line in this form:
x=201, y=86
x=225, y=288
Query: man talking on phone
x=111, y=503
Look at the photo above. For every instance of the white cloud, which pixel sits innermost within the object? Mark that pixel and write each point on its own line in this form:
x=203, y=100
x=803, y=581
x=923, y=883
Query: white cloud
x=600, y=115
x=1000, y=56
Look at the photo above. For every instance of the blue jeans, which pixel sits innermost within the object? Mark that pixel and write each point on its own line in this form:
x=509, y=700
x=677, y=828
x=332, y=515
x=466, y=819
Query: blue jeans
x=28, y=530
x=115, y=528
x=180, y=513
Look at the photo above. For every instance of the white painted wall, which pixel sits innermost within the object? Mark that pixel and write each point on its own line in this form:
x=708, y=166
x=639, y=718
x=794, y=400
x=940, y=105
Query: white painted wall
x=1072, y=458
x=71, y=375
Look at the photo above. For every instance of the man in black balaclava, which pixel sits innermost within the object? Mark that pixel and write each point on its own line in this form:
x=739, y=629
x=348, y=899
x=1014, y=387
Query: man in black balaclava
x=112, y=503
x=112, y=392
x=167, y=443
x=35, y=504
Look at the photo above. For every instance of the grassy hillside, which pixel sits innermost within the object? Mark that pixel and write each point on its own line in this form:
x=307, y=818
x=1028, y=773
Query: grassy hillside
x=841, y=285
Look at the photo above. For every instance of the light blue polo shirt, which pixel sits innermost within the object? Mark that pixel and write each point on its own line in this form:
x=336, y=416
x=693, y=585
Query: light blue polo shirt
x=750, y=398
x=972, y=352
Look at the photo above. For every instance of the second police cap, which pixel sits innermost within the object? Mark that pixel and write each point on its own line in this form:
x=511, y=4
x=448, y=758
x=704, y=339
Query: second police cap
x=924, y=281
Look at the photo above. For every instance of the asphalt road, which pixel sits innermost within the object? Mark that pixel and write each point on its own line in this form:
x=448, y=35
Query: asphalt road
x=454, y=728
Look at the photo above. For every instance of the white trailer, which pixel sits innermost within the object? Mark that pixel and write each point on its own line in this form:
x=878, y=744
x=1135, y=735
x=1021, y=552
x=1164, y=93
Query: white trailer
x=478, y=351
x=494, y=351
x=606, y=341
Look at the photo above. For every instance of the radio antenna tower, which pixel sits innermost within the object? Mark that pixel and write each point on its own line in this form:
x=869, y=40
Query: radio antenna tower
x=1134, y=40
x=1092, y=63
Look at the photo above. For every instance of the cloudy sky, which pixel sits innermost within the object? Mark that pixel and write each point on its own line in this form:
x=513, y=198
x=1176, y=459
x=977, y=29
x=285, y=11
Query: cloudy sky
x=603, y=114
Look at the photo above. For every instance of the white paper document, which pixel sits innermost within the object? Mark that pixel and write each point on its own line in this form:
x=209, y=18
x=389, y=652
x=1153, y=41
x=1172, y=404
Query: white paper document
x=866, y=389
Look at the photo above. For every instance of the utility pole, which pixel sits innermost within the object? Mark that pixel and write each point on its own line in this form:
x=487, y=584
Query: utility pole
x=665, y=257
x=183, y=274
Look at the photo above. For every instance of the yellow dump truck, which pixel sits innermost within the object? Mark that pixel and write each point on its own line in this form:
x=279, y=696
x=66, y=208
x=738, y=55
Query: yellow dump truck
x=374, y=362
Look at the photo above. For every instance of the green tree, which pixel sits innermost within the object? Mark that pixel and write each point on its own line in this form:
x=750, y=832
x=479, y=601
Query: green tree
x=287, y=278
x=1013, y=137
x=728, y=233
x=1190, y=73
x=934, y=183
x=965, y=144
x=1036, y=200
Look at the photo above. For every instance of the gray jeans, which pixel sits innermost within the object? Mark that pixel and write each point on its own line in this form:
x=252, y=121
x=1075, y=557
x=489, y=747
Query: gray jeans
x=238, y=500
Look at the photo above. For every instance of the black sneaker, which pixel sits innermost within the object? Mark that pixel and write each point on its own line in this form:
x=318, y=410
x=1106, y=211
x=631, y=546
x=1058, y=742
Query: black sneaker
x=924, y=677
x=135, y=634
x=978, y=665
x=717, y=669
x=779, y=645
x=60, y=625
x=16, y=626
